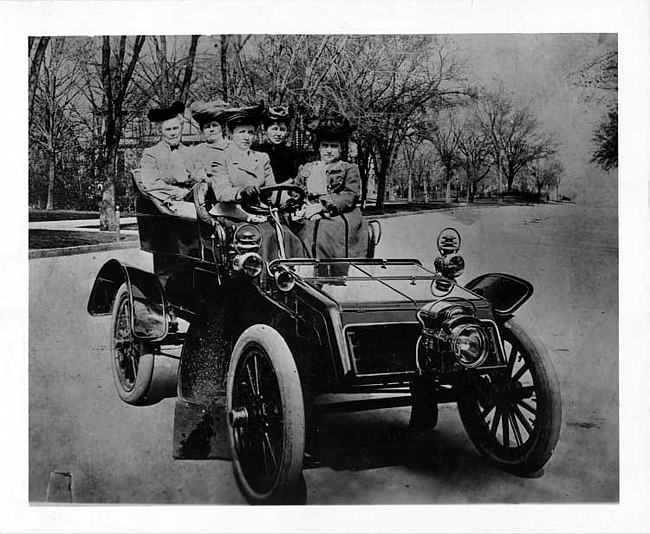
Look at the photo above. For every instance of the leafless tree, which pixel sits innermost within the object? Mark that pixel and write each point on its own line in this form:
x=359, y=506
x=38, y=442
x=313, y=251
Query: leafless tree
x=55, y=92
x=514, y=133
x=37, y=47
x=445, y=139
x=474, y=152
x=117, y=67
x=165, y=71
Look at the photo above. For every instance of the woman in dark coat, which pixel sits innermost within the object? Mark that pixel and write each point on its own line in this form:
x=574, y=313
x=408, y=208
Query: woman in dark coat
x=284, y=159
x=331, y=225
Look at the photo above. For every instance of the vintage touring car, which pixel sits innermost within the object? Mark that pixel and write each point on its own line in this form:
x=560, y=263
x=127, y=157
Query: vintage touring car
x=266, y=341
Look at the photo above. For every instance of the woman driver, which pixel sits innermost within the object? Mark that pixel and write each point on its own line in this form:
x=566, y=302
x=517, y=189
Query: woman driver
x=332, y=225
x=239, y=172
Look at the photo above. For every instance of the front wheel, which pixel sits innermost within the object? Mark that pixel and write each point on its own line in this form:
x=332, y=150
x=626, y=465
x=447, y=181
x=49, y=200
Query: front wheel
x=513, y=416
x=266, y=418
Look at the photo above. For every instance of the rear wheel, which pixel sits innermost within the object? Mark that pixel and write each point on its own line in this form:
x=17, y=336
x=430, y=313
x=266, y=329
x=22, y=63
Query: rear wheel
x=266, y=419
x=141, y=377
x=513, y=416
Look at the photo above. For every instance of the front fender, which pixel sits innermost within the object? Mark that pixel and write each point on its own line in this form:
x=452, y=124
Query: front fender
x=505, y=292
x=149, y=314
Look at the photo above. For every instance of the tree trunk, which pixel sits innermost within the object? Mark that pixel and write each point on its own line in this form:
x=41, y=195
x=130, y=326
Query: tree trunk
x=426, y=188
x=108, y=217
x=34, y=70
x=448, y=186
x=189, y=68
x=409, y=194
x=224, y=67
x=380, y=176
x=51, y=171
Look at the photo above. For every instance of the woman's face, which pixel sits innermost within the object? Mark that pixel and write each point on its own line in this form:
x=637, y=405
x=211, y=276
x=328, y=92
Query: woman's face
x=212, y=132
x=330, y=150
x=170, y=130
x=276, y=132
x=243, y=135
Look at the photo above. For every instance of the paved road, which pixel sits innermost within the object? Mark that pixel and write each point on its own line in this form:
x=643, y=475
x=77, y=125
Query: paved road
x=120, y=454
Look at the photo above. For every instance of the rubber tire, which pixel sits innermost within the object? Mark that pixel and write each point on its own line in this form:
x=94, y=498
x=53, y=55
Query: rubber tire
x=546, y=432
x=289, y=486
x=157, y=375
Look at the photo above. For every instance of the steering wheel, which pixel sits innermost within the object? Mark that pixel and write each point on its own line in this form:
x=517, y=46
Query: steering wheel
x=267, y=200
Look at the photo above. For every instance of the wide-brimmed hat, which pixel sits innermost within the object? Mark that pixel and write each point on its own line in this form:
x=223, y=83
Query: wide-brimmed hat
x=165, y=113
x=277, y=114
x=332, y=125
x=245, y=115
x=204, y=112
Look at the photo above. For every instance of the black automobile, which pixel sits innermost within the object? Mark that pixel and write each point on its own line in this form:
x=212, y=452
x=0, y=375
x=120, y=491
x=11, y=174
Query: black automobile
x=266, y=341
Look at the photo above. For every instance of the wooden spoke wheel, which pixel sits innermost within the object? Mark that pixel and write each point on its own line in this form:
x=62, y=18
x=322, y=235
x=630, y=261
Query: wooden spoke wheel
x=266, y=420
x=141, y=377
x=513, y=417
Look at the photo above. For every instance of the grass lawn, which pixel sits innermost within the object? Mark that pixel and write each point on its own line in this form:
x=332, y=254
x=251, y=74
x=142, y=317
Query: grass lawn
x=41, y=239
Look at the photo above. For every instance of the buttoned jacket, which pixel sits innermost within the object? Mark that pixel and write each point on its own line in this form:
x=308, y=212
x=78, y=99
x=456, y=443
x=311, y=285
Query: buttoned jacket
x=236, y=169
x=343, y=185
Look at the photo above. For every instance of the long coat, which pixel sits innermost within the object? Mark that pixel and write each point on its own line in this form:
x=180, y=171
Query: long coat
x=341, y=232
x=164, y=175
x=235, y=170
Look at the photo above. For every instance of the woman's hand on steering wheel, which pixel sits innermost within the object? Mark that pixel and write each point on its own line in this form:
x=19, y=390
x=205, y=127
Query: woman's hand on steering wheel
x=250, y=193
x=266, y=199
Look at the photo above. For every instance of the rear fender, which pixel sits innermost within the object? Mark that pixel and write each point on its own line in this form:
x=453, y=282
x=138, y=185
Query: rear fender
x=505, y=292
x=148, y=309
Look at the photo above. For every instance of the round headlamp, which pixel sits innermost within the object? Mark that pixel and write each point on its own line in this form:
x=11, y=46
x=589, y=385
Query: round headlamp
x=469, y=345
x=249, y=263
x=247, y=238
x=450, y=266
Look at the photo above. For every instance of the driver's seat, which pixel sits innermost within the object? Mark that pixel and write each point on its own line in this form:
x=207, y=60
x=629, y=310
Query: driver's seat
x=213, y=233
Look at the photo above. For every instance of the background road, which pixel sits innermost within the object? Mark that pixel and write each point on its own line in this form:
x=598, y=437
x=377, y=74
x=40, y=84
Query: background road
x=120, y=454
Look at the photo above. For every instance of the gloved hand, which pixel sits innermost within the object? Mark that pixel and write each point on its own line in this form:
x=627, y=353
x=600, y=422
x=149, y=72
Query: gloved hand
x=249, y=193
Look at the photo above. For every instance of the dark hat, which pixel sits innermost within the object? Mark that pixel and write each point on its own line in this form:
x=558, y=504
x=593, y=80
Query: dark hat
x=204, y=112
x=332, y=125
x=244, y=115
x=277, y=114
x=164, y=114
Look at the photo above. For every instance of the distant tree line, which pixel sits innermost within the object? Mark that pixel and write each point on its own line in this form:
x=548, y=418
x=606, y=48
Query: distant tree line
x=420, y=125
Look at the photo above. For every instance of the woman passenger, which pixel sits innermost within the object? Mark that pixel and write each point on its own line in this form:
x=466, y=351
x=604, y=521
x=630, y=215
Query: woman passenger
x=167, y=169
x=206, y=115
x=239, y=173
x=331, y=225
x=284, y=159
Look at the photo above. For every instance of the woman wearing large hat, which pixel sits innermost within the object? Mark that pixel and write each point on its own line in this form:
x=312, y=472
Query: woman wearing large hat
x=167, y=169
x=284, y=159
x=207, y=115
x=239, y=173
x=331, y=225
